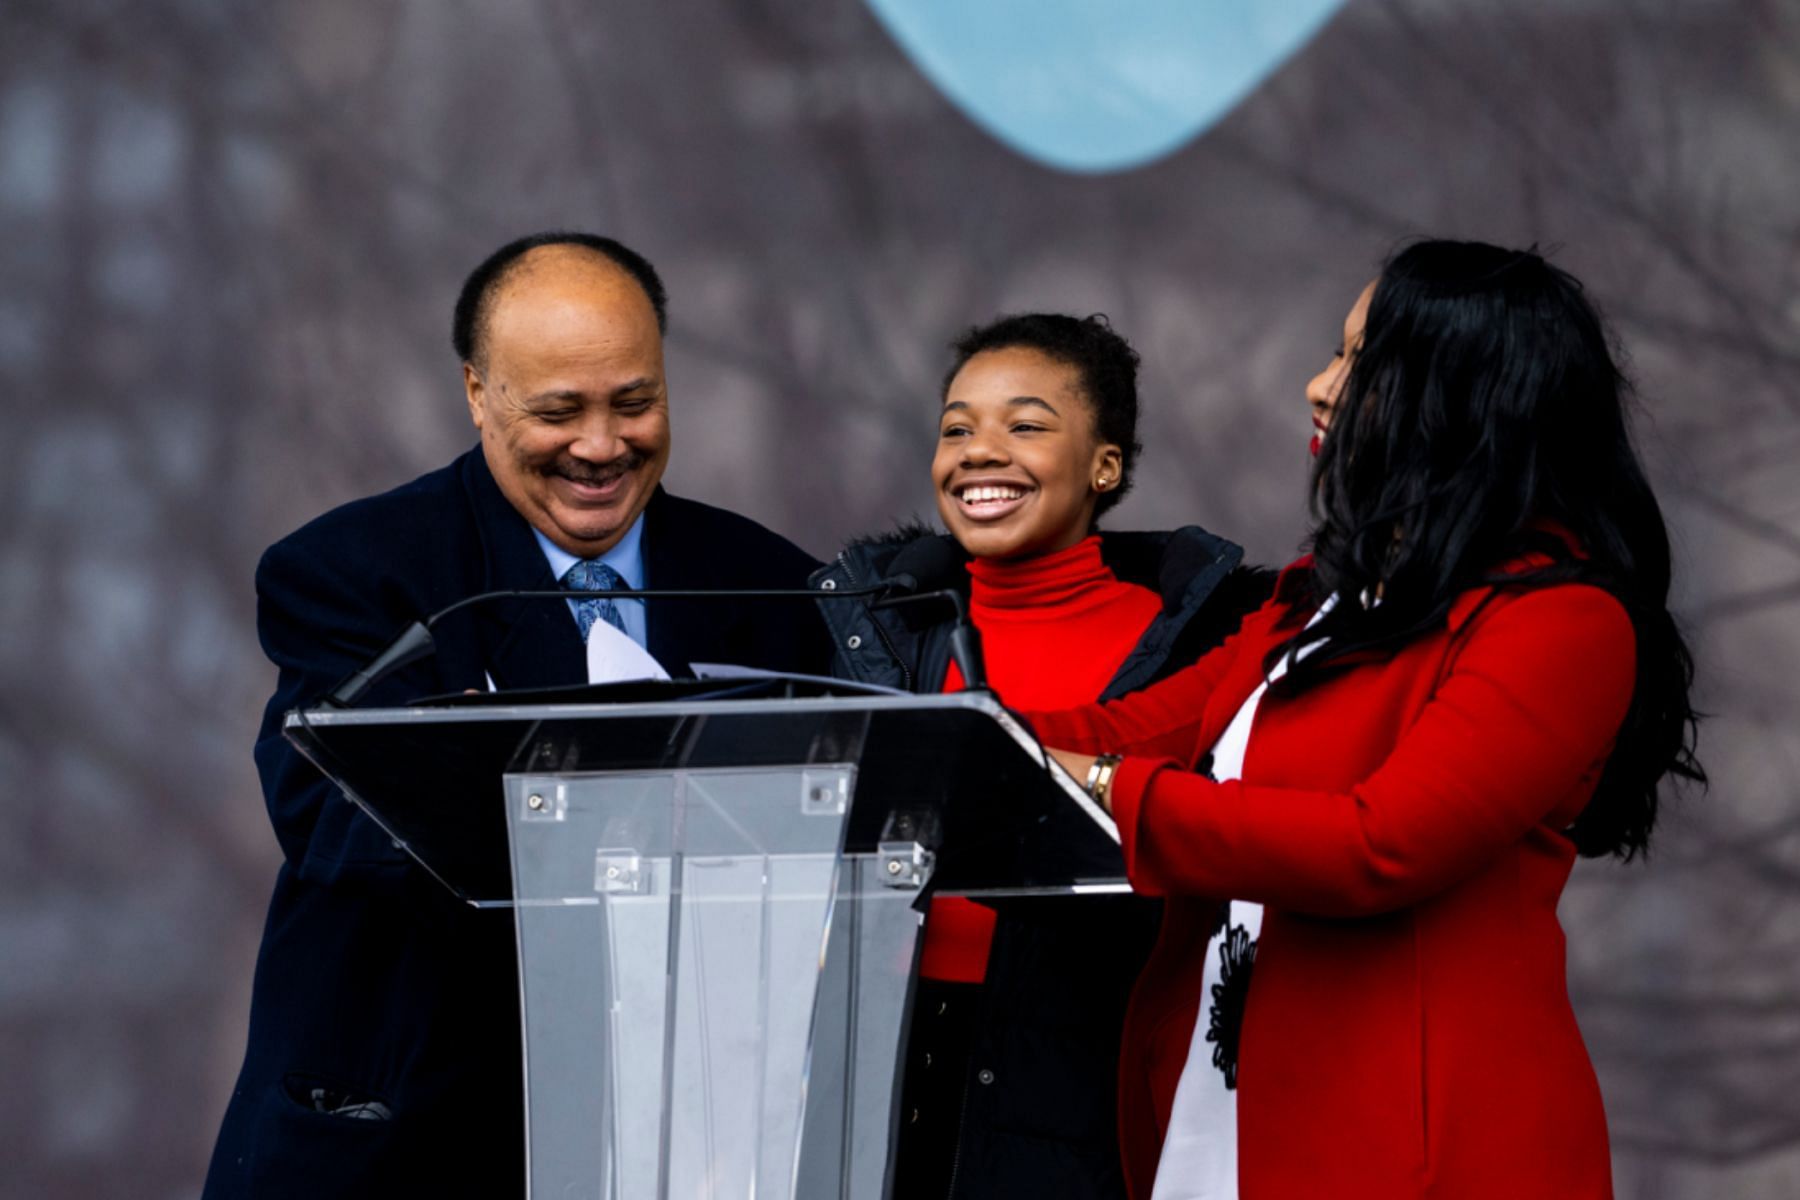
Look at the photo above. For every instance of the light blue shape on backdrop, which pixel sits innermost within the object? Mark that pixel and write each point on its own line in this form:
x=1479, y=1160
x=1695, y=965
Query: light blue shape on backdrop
x=1099, y=85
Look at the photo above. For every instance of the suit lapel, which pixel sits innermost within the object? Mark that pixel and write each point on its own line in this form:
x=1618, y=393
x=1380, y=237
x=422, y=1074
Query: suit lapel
x=524, y=643
x=680, y=631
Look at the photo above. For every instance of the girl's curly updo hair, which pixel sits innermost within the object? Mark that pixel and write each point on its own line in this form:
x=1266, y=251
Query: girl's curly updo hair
x=1107, y=364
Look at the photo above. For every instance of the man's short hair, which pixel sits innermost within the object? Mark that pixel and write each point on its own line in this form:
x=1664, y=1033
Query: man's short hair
x=468, y=327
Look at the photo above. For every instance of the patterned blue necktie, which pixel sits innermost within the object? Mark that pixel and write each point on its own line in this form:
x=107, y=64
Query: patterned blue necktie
x=590, y=574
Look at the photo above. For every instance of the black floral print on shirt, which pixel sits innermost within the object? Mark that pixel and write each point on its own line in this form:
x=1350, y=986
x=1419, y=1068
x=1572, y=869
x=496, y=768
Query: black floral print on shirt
x=1237, y=955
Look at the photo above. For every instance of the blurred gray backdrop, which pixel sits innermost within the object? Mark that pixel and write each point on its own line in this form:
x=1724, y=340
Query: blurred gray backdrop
x=232, y=234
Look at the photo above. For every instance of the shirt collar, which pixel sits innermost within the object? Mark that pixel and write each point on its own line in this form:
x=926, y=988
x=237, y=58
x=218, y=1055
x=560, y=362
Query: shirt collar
x=626, y=557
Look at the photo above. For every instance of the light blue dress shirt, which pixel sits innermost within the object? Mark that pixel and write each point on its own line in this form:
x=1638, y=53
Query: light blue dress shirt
x=626, y=557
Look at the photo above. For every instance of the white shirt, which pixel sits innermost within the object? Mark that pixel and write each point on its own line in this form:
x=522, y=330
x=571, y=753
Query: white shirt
x=1199, y=1155
x=626, y=557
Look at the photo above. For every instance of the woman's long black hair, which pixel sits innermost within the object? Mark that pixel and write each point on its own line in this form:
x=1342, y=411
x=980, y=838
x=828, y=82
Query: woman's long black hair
x=1483, y=411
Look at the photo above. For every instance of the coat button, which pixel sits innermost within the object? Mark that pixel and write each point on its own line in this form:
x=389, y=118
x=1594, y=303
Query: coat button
x=853, y=641
x=829, y=585
x=985, y=1075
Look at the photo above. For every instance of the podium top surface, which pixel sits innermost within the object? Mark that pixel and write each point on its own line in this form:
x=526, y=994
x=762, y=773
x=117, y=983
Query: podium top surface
x=431, y=774
x=486, y=708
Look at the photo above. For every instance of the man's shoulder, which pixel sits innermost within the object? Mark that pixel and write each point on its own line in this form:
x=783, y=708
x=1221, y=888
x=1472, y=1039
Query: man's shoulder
x=696, y=528
x=413, y=521
x=417, y=500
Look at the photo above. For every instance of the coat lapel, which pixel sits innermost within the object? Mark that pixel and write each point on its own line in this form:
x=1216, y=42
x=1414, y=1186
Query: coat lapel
x=679, y=632
x=524, y=643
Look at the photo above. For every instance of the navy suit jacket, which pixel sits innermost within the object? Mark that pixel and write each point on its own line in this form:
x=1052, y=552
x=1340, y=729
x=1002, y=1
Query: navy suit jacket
x=375, y=990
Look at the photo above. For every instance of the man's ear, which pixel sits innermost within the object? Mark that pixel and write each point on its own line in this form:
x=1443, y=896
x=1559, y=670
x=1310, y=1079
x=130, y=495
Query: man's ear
x=473, y=389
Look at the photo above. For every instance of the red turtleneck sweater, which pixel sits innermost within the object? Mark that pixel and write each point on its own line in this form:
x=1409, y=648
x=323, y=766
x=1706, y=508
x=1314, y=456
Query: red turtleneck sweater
x=1054, y=631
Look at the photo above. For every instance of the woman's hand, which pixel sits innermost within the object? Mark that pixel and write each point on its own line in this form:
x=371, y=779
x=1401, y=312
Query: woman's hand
x=1075, y=764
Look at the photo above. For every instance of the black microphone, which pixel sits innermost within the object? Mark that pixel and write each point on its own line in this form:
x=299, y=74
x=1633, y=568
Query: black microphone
x=927, y=563
x=965, y=639
x=934, y=561
x=965, y=647
x=414, y=642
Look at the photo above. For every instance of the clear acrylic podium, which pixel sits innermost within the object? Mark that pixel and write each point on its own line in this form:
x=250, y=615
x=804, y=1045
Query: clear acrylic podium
x=717, y=905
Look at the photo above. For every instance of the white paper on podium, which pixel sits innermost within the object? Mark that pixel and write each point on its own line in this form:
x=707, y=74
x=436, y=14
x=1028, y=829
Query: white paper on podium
x=612, y=657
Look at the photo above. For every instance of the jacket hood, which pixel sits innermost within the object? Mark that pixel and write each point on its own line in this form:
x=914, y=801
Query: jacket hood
x=907, y=647
x=1172, y=563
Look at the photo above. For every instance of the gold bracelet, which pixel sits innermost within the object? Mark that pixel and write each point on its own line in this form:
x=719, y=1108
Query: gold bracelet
x=1100, y=777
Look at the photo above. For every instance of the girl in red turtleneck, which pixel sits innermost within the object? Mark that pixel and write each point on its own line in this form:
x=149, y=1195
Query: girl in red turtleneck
x=1013, y=1050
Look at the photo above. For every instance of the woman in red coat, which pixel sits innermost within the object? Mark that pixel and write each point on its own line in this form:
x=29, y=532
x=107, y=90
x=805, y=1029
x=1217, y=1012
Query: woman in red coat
x=1473, y=678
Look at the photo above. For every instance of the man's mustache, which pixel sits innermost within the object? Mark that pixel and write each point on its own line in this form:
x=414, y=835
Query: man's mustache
x=597, y=474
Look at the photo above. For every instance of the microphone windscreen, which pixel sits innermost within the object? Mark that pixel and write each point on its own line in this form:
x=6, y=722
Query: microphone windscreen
x=927, y=563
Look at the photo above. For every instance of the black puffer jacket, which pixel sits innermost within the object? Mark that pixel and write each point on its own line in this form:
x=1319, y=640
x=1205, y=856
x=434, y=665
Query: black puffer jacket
x=1040, y=1113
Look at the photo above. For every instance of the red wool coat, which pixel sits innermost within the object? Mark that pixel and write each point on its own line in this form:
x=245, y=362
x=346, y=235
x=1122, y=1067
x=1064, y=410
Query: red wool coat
x=1407, y=1031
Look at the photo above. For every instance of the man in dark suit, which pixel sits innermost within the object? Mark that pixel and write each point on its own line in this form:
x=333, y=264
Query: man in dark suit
x=383, y=1056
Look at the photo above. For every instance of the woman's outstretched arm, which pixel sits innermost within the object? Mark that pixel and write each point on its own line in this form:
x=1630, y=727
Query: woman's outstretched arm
x=1162, y=720
x=1519, y=728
